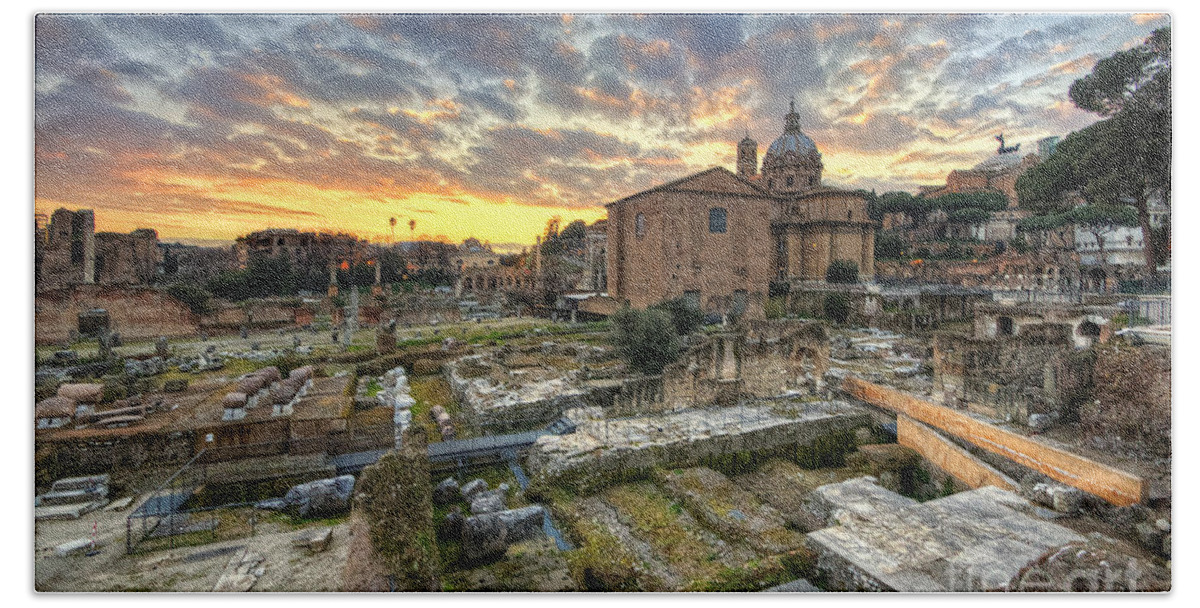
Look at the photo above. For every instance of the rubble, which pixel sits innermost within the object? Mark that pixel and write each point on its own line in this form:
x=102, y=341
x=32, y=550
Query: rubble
x=488, y=536
x=315, y=540
x=323, y=496
x=446, y=492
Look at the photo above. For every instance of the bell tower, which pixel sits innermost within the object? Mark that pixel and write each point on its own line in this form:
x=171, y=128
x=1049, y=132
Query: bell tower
x=747, y=157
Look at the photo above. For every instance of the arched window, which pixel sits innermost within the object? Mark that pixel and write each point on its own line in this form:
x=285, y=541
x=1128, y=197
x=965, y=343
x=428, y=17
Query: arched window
x=717, y=220
x=639, y=225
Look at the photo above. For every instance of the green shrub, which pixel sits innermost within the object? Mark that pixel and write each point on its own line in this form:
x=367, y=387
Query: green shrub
x=196, y=298
x=685, y=315
x=397, y=497
x=837, y=307
x=842, y=271
x=775, y=308
x=646, y=339
x=424, y=367
x=827, y=451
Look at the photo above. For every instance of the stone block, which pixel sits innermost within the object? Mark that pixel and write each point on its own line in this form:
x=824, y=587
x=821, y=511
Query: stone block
x=491, y=501
x=488, y=536
x=1149, y=536
x=315, y=540
x=1040, y=422
x=446, y=492
x=473, y=487
x=324, y=496
x=74, y=547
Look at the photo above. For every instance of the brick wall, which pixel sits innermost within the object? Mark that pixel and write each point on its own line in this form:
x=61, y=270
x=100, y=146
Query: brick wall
x=138, y=313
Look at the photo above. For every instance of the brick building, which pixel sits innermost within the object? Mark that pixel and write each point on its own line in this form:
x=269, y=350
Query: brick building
x=720, y=238
x=70, y=252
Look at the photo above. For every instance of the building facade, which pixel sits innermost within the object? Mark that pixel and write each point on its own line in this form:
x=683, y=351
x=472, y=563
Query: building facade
x=720, y=239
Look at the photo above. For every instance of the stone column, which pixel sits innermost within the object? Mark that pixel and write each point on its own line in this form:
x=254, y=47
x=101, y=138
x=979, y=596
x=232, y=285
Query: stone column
x=88, y=227
x=868, y=253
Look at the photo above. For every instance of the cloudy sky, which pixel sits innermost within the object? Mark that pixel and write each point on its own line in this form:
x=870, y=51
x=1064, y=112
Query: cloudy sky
x=206, y=127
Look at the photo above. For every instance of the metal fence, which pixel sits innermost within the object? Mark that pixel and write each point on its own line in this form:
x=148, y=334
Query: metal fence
x=1149, y=310
x=161, y=514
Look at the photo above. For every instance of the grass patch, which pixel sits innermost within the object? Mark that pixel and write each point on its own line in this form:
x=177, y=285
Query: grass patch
x=656, y=519
x=429, y=391
x=373, y=387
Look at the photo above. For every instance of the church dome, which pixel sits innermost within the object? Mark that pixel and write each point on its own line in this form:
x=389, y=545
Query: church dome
x=792, y=140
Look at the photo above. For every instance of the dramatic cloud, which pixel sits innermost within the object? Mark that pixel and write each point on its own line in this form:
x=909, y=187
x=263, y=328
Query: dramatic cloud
x=209, y=126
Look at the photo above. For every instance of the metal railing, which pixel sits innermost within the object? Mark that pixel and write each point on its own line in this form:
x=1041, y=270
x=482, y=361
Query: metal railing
x=163, y=504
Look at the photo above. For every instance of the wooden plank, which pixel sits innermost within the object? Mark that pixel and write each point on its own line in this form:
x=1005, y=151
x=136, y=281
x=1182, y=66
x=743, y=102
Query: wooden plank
x=1114, y=485
x=949, y=457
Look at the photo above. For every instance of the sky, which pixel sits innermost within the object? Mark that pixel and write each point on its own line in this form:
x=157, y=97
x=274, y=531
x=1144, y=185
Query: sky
x=206, y=127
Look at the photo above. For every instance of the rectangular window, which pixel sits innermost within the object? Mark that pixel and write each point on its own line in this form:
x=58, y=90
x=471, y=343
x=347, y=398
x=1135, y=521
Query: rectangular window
x=716, y=220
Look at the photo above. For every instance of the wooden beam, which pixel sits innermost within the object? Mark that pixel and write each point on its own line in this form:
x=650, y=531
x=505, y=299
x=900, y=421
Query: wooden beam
x=1114, y=485
x=948, y=456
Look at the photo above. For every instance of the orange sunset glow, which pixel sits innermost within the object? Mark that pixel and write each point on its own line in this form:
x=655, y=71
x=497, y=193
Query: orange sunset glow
x=207, y=127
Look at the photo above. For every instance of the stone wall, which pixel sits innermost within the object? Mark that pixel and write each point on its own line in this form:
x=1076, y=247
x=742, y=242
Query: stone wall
x=256, y=313
x=598, y=460
x=498, y=409
x=78, y=457
x=1010, y=377
x=138, y=313
x=762, y=359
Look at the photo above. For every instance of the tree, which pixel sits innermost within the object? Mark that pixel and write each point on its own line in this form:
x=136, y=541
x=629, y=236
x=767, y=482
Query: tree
x=196, y=298
x=685, y=315
x=914, y=207
x=646, y=339
x=1041, y=188
x=957, y=201
x=1132, y=89
x=170, y=261
x=230, y=285
x=842, y=271
x=969, y=215
x=575, y=231
x=1101, y=221
x=270, y=276
x=890, y=246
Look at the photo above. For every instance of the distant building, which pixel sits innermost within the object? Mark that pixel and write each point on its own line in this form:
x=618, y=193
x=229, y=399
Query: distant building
x=997, y=173
x=473, y=254
x=302, y=248
x=70, y=252
x=720, y=239
x=595, y=258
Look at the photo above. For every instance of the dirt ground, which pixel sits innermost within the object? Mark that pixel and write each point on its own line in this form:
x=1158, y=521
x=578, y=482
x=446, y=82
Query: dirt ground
x=197, y=568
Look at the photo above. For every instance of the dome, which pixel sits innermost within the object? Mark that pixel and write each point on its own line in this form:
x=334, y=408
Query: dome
x=792, y=140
